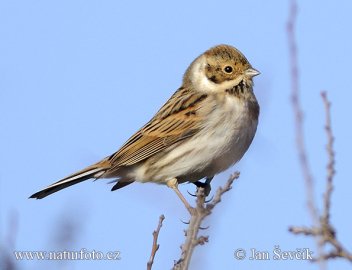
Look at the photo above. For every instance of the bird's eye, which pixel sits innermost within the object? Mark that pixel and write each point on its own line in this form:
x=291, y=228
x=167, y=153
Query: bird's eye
x=228, y=69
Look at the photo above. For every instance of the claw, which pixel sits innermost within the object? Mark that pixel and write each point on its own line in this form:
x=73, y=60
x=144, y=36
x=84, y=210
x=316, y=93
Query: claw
x=204, y=228
x=194, y=195
x=184, y=222
x=212, y=197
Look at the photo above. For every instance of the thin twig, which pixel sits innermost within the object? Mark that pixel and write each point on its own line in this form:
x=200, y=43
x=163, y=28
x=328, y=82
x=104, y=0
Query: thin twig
x=331, y=162
x=328, y=232
x=201, y=211
x=298, y=117
x=298, y=113
x=155, y=246
x=324, y=232
x=222, y=190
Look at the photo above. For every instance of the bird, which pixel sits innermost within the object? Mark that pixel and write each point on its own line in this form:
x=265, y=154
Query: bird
x=205, y=127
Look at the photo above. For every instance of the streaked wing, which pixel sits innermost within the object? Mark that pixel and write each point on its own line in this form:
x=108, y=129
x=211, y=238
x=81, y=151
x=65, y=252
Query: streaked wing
x=177, y=120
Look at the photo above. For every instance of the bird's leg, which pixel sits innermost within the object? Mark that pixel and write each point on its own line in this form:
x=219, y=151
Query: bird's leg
x=172, y=183
x=206, y=185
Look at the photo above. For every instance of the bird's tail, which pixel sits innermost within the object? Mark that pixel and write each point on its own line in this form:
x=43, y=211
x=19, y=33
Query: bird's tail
x=93, y=171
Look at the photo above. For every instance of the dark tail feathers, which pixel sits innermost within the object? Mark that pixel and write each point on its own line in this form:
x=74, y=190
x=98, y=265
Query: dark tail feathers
x=94, y=171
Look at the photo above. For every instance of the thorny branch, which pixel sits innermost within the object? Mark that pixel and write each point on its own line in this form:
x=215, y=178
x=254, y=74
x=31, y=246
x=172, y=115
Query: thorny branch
x=155, y=246
x=202, y=210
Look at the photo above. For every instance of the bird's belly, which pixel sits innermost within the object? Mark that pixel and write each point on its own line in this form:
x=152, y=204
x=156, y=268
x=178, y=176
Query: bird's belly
x=221, y=143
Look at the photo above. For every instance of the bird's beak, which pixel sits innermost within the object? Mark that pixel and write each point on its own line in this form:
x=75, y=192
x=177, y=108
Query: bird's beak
x=251, y=72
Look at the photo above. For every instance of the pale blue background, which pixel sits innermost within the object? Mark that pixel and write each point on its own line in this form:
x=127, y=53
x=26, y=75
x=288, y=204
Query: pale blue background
x=77, y=78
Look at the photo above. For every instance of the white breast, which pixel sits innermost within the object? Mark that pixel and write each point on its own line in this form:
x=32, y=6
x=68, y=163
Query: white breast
x=225, y=137
x=232, y=132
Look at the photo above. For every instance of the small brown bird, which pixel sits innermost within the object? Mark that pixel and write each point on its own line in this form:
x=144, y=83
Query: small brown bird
x=205, y=127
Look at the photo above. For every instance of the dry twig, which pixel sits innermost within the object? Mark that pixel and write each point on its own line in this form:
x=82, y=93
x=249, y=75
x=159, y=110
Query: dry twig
x=331, y=156
x=155, y=246
x=324, y=232
x=298, y=117
x=298, y=113
x=201, y=211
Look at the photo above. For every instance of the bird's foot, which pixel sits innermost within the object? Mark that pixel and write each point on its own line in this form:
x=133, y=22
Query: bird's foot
x=172, y=183
x=206, y=185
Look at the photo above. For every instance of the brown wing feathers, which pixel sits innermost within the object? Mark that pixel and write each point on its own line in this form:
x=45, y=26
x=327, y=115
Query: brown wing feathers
x=175, y=121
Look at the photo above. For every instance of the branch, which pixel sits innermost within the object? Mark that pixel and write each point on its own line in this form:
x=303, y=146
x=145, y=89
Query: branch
x=298, y=117
x=298, y=113
x=322, y=230
x=325, y=232
x=202, y=210
x=155, y=246
x=331, y=159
